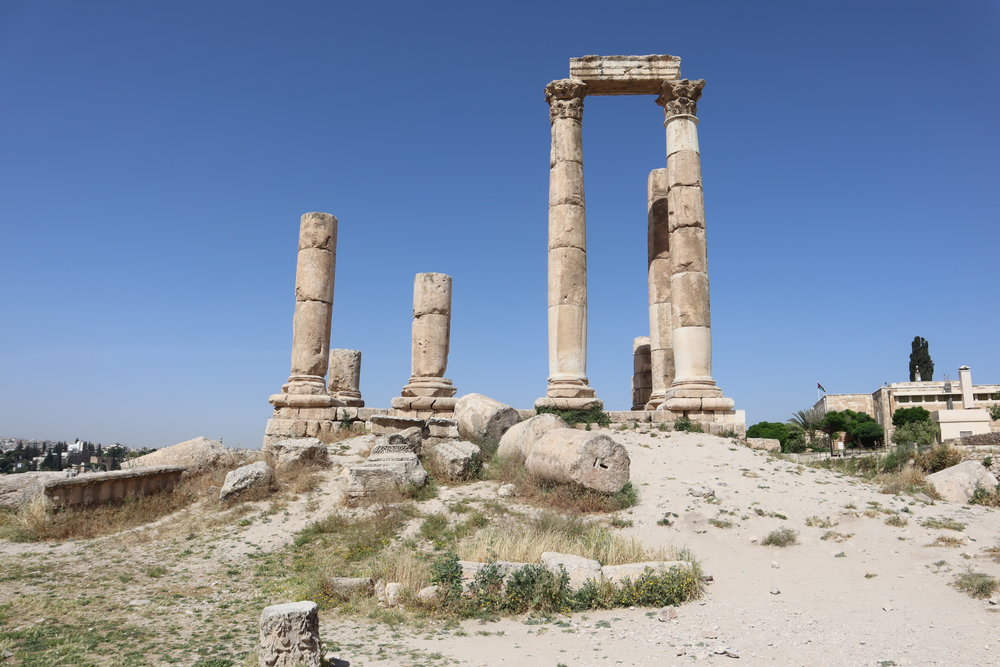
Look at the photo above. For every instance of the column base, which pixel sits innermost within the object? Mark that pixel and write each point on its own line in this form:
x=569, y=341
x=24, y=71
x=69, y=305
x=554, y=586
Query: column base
x=655, y=400
x=696, y=395
x=304, y=384
x=287, y=400
x=439, y=405
x=420, y=386
x=571, y=393
x=349, y=398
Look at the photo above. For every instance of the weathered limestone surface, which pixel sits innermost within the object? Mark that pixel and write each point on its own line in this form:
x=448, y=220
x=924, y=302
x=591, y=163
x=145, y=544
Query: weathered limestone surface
x=483, y=420
x=195, y=454
x=957, y=483
x=428, y=390
x=289, y=636
x=578, y=568
x=765, y=444
x=107, y=487
x=345, y=377
x=390, y=467
x=659, y=270
x=22, y=488
x=517, y=442
x=624, y=75
x=568, y=387
x=642, y=377
x=314, y=279
x=298, y=450
x=693, y=391
x=458, y=460
x=257, y=475
x=617, y=574
x=569, y=456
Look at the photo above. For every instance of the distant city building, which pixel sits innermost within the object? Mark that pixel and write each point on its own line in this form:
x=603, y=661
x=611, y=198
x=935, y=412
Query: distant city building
x=960, y=403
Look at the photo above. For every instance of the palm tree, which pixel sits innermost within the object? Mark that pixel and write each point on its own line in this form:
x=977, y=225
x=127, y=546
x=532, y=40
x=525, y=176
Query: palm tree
x=810, y=421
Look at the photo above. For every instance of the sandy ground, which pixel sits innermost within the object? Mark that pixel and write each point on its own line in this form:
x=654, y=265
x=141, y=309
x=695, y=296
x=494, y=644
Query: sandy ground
x=806, y=604
x=878, y=597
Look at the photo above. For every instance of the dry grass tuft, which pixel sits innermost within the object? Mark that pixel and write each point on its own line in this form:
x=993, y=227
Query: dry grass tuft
x=524, y=541
x=909, y=479
x=947, y=541
x=782, y=537
x=977, y=584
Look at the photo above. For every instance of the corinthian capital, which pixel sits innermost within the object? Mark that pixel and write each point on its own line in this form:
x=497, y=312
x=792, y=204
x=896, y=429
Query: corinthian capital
x=565, y=98
x=680, y=96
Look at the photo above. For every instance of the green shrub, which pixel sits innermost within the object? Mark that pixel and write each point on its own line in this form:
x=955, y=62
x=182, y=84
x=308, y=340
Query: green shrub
x=773, y=430
x=591, y=416
x=903, y=416
x=977, y=584
x=916, y=433
x=940, y=457
x=984, y=496
x=684, y=423
x=995, y=412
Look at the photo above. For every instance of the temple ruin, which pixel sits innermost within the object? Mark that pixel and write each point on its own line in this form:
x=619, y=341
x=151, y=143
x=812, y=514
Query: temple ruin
x=672, y=367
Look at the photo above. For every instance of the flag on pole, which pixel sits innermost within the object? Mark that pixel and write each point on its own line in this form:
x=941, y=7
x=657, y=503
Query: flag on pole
x=821, y=387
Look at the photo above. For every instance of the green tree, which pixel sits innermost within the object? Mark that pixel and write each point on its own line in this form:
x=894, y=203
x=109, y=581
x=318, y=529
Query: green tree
x=859, y=426
x=915, y=433
x=773, y=430
x=904, y=416
x=920, y=360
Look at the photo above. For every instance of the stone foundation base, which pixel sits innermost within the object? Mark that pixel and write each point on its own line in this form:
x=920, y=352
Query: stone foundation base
x=425, y=406
x=719, y=422
x=331, y=424
x=581, y=403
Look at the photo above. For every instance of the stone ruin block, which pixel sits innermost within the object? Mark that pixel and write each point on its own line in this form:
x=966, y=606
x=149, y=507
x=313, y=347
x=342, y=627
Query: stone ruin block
x=385, y=472
x=624, y=75
x=456, y=460
x=114, y=486
x=289, y=636
x=387, y=424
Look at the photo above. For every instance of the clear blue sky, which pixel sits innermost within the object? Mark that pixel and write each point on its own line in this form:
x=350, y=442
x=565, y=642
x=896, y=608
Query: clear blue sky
x=156, y=157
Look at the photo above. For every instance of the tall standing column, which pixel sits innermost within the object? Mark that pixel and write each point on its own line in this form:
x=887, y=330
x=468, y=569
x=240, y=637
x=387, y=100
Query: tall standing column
x=693, y=388
x=568, y=387
x=314, y=275
x=345, y=377
x=428, y=390
x=661, y=345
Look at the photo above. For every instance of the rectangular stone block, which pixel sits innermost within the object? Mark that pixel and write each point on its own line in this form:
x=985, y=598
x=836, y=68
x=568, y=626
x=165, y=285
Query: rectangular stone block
x=688, y=250
x=566, y=184
x=567, y=146
x=625, y=75
x=691, y=307
x=568, y=226
x=684, y=168
x=685, y=208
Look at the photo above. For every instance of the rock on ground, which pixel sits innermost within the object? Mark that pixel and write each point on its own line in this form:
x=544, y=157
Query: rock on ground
x=385, y=471
x=456, y=460
x=766, y=444
x=257, y=475
x=957, y=483
x=578, y=568
x=483, y=420
x=289, y=635
x=195, y=455
x=517, y=442
x=591, y=460
x=23, y=487
x=308, y=451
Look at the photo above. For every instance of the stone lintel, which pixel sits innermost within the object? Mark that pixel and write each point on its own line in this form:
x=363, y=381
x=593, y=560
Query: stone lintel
x=625, y=75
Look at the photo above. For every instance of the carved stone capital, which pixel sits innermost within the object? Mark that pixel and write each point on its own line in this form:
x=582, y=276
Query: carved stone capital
x=680, y=97
x=565, y=98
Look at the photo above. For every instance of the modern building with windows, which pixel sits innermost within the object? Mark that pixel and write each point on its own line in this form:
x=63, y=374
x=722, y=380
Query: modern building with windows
x=950, y=399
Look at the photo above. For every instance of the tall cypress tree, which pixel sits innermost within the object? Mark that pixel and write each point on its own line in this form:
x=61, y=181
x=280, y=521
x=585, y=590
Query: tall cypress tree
x=920, y=360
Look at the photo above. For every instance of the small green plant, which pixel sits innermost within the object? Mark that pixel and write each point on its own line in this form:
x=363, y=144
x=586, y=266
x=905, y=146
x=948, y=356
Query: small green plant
x=897, y=520
x=591, y=416
x=944, y=524
x=721, y=523
x=995, y=411
x=977, y=584
x=620, y=522
x=782, y=537
x=684, y=423
x=983, y=496
x=816, y=522
x=988, y=461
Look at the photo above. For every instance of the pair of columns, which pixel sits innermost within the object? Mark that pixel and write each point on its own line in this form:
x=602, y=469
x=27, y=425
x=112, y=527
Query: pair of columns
x=312, y=358
x=680, y=322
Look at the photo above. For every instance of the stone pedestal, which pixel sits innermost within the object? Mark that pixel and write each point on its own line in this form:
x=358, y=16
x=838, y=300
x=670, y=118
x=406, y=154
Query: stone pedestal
x=345, y=377
x=428, y=391
x=568, y=387
x=661, y=345
x=693, y=391
x=641, y=373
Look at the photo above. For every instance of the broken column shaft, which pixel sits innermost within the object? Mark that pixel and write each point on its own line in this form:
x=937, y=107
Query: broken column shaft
x=345, y=377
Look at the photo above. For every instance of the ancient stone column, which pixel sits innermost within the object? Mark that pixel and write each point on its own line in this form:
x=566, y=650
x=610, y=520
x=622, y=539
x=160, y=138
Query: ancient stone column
x=428, y=389
x=289, y=636
x=313, y=304
x=568, y=387
x=345, y=377
x=641, y=373
x=693, y=388
x=661, y=345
